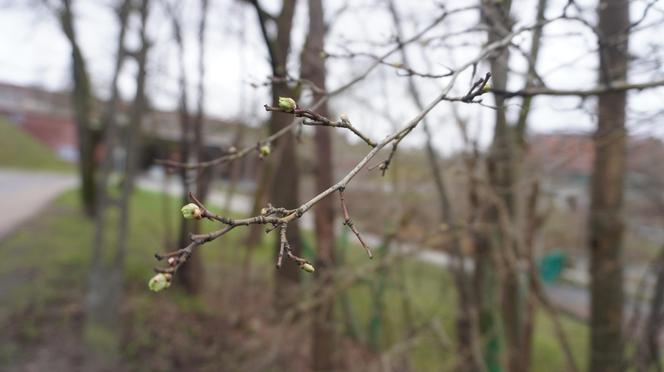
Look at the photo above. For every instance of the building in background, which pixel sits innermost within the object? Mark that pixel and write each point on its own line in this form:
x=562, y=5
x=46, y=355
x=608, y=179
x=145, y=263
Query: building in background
x=47, y=116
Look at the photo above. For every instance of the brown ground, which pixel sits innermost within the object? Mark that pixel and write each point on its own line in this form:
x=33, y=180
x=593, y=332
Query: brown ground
x=169, y=332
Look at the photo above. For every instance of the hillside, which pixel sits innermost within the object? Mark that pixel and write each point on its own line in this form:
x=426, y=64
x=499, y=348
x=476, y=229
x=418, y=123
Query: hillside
x=19, y=150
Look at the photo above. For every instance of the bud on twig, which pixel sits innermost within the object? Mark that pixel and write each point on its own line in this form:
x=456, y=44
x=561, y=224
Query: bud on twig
x=287, y=103
x=264, y=150
x=191, y=211
x=307, y=267
x=159, y=282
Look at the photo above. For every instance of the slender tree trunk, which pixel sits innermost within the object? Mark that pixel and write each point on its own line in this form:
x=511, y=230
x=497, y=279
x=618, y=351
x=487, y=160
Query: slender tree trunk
x=205, y=174
x=501, y=172
x=82, y=102
x=284, y=193
x=132, y=141
x=191, y=272
x=139, y=108
x=648, y=357
x=102, y=334
x=286, y=177
x=190, y=275
x=605, y=235
x=313, y=68
x=464, y=326
x=531, y=210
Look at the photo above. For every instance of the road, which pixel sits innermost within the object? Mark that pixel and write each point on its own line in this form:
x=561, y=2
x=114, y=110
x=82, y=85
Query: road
x=23, y=194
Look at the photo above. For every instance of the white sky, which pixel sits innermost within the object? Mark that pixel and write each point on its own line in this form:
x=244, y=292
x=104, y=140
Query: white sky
x=35, y=52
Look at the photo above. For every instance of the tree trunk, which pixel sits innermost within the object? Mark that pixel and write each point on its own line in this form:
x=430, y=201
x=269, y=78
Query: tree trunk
x=605, y=225
x=82, y=101
x=313, y=69
x=102, y=331
x=204, y=174
x=647, y=356
x=285, y=180
x=501, y=173
x=190, y=274
x=284, y=193
x=531, y=212
x=464, y=324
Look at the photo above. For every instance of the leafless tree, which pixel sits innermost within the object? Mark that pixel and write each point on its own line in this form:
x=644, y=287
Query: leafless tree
x=282, y=177
x=190, y=135
x=83, y=102
x=504, y=219
x=108, y=257
x=605, y=235
x=313, y=70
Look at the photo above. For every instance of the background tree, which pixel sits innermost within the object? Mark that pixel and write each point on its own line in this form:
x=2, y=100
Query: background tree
x=105, y=287
x=284, y=176
x=605, y=225
x=465, y=326
x=83, y=103
x=313, y=70
x=501, y=173
x=459, y=231
x=190, y=136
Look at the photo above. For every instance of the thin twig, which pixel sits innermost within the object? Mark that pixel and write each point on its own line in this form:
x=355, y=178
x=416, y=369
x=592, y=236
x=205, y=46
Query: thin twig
x=321, y=120
x=348, y=222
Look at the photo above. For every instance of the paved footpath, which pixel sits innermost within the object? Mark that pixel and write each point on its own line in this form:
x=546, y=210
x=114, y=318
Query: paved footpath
x=24, y=193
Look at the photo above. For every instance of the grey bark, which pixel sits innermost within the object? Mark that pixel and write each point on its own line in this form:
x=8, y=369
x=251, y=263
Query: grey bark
x=605, y=224
x=102, y=326
x=313, y=69
x=190, y=275
x=285, y=177
x=82, y=102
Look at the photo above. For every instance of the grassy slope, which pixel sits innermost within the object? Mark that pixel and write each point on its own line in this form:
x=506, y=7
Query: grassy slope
x=54, y=252
x=19, y=150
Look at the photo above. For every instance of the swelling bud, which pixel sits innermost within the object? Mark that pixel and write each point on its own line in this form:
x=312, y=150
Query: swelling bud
x=264, y=151
x=159, y=282
x=191, y=211
x=308, y=267
x=287, y=103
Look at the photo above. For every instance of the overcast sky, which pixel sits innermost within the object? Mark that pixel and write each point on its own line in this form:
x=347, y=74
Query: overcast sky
x=34, y=52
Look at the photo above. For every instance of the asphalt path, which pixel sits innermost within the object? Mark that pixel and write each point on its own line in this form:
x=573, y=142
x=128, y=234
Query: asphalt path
x=23, y=194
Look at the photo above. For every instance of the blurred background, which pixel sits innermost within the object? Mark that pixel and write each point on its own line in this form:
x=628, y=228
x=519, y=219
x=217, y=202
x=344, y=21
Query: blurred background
x=515, y=216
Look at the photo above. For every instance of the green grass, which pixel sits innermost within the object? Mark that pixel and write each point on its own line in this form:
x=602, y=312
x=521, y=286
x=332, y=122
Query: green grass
x=52, y=254
x=431, y=299
x=19, y=150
